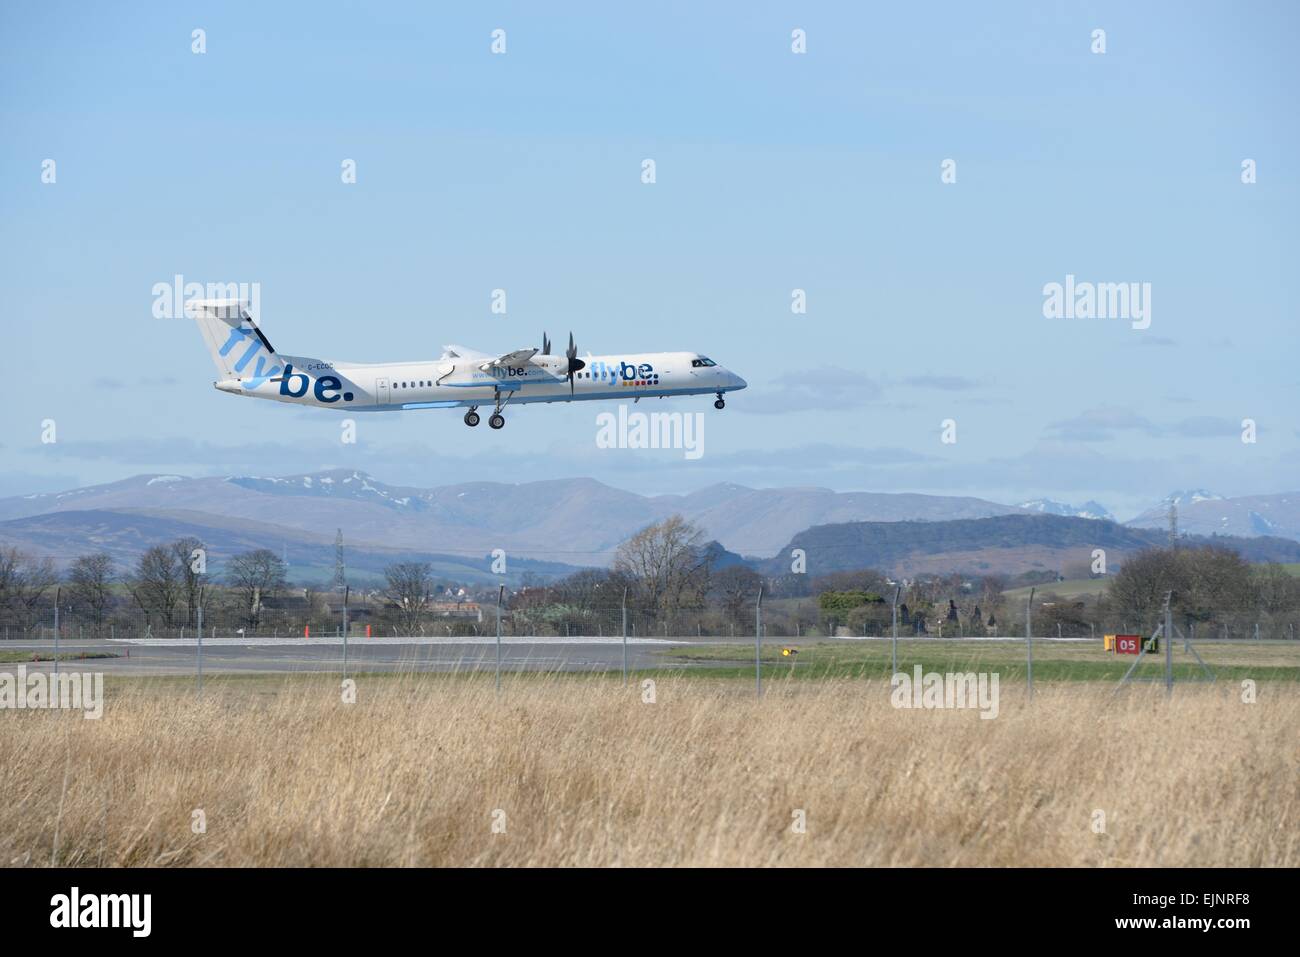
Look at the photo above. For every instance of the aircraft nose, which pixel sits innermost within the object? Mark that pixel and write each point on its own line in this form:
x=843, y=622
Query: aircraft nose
x=736, y=382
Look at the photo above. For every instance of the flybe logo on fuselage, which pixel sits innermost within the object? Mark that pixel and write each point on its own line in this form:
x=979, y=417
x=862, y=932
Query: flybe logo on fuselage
x=625, y=373
x=325, y=388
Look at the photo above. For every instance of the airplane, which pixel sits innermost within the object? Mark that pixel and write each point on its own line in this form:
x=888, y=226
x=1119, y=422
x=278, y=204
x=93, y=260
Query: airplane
x=460, y=378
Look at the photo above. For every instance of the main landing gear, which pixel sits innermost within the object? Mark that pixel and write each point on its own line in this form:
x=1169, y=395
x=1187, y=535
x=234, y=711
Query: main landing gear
x=720, y=402
x=496, y=420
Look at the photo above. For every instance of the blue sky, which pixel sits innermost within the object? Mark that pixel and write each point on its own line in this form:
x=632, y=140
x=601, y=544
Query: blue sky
x=775, y=171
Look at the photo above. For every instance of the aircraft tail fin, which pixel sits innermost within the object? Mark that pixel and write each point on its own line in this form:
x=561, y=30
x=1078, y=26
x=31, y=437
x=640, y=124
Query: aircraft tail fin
x=237, y=346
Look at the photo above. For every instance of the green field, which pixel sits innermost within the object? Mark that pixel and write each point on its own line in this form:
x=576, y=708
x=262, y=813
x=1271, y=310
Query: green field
x=814, y=659
x=1053, y=661
x=1070, y=588
x=20, y=657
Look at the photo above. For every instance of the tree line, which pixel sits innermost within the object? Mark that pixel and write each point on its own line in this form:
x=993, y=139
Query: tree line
x=168, y=587
x=667, y=581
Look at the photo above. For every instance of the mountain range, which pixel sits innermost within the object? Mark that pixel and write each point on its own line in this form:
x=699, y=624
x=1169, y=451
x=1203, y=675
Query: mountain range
x=549, y=527
x=576, y=521
x=1203, y=513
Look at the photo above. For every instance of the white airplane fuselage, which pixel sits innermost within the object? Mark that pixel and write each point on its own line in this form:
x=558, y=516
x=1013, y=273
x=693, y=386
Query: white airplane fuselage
x=248, y=365
x=461, y=381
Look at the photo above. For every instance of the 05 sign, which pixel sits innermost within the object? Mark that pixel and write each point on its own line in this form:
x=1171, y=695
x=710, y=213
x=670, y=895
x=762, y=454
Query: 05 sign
x=1128, y=644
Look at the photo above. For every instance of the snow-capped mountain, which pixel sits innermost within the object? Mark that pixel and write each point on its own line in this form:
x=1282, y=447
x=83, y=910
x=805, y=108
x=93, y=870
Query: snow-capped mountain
x=1047, y=506
x=1205, y=513
x=1190, y=497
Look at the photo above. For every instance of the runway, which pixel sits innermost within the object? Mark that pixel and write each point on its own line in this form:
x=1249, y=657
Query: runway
x=254, y=655
x=179, y=656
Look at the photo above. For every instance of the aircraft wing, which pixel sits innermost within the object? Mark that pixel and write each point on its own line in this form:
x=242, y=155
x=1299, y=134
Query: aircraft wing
x=516, y=358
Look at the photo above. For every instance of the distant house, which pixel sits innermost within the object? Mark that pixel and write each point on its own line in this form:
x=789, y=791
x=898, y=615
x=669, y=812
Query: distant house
x=457, y=609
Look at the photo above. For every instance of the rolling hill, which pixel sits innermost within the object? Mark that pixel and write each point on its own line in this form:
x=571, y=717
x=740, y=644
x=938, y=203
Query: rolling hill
x=126, y=533
x=552, y=527
x=574, y=521
x=1007, y=544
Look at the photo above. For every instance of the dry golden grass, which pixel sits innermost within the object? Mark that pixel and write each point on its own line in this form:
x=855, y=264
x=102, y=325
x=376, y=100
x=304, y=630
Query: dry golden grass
x=587, y=774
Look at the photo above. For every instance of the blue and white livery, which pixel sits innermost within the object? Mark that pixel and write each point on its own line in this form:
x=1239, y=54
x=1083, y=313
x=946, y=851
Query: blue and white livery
x=459, y=378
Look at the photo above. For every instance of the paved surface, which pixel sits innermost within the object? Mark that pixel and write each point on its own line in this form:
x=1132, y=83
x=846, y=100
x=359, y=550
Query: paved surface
x=161, y=656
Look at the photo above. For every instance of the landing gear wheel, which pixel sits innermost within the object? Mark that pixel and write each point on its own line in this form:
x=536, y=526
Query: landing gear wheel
x=718, y=403
x=471, y=418
x=497, y=420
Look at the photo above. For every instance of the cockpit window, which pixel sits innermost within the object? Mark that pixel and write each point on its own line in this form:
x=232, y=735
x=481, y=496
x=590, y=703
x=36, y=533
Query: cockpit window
x=702, y=362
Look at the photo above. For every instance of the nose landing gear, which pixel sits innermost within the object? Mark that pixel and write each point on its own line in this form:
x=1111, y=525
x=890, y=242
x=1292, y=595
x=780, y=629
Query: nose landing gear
x=720, y=402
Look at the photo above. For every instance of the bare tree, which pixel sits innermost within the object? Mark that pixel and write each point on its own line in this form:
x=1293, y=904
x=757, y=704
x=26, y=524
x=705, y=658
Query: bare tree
x=861, y=579
x=255, y=576
x=582, y=590
x=668, y=565
x=157, y=584
x=191, y=557
x=410, y=589
x=1216, y=583
x=1277, y=591
x=24, y=583
x=90, y=588
x=1209, y=584
x=736, y=588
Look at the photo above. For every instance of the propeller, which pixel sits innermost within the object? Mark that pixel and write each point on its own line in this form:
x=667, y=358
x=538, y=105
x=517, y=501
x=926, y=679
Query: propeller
x=546, y=345
x=575, y=364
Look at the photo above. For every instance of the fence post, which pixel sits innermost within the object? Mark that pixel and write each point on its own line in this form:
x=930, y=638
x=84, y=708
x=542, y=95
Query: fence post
x=345, y=634
x=57, y=598
x=624, y=636
x=1169, y=646
x=500, y=591
x=894, y=642
x=1029, y=643
x=198, y=631
x=758, y=642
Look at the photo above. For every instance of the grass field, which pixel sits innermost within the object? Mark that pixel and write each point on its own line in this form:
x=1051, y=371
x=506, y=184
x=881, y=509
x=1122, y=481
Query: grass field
x=21, y=657
x=1053, y=660
x=1070, y=588
x=583, y=771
